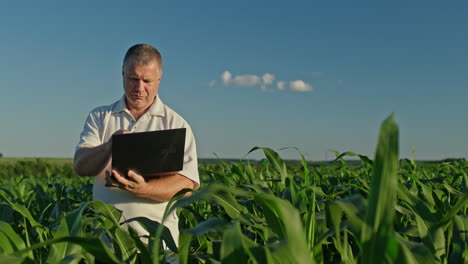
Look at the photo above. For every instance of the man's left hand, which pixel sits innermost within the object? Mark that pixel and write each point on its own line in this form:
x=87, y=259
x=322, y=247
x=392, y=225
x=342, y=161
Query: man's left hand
x=135, y=183
x=159, y=189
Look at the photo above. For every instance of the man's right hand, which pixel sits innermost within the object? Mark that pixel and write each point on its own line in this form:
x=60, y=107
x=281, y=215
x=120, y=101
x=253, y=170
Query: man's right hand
x=89, y=161
x=119, y=132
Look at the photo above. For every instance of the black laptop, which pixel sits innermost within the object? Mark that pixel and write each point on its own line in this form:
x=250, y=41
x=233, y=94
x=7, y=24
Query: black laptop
x=149, y=152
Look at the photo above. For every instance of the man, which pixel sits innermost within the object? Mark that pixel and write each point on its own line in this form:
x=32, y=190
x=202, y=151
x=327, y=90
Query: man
x=140, y=109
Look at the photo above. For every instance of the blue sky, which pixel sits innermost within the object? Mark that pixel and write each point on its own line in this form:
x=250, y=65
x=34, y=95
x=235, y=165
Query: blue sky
x=315, y=76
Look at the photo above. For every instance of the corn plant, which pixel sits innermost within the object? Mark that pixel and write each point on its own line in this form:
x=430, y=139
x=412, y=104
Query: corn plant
x=383, y=210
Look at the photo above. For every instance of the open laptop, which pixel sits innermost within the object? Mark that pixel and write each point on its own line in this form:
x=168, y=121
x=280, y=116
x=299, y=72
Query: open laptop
x=149, y=153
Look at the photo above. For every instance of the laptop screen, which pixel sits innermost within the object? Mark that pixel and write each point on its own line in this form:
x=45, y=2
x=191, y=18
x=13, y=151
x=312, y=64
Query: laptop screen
x=149, y=152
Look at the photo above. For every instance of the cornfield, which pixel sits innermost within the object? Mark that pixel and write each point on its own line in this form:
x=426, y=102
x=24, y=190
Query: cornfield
x=385, y=210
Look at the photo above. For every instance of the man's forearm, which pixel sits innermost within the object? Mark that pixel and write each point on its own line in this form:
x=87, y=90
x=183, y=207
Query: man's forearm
x=90, y=161
x=164, y=188
x=157, y=189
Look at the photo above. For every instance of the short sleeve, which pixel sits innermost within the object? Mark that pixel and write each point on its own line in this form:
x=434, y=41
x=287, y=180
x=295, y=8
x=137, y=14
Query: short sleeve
x=190, y=169
x=93, y=128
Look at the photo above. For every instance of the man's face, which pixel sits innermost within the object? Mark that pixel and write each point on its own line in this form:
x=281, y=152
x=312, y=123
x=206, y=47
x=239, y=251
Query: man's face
x=141, y=83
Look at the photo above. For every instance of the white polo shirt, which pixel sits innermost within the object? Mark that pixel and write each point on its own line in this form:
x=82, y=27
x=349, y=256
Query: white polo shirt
x=102, y=122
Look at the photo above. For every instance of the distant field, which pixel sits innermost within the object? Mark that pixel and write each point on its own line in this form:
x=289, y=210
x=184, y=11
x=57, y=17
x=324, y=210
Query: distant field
x=353, y=162
x=48, y=160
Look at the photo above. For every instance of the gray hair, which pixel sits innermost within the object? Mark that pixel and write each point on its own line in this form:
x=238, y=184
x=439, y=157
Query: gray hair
x=142, y=54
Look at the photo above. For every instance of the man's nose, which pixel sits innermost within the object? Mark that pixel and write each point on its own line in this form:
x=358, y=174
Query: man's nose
x=139, y=85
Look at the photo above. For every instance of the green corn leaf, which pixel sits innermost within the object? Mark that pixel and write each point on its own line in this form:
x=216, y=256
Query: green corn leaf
x=9, y=259
x=354, y=207
x=10, y=241
x=379, y=216
x=219, y=194
x=72, y=259
x=124, y=244
x=210, y=225
x=184, y=247
x=414, y=253
x=108, y=211
x=456, y=209
x=157, y=231
x=286, y=222
x=92, y=245
x=143, y=250
x=346, y=153
x=460, y=240
x=236, y=248
x=70, y=226
x=21, y=209
x=275, y=160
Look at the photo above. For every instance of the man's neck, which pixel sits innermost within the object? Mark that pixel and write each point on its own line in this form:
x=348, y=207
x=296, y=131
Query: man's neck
x=139, y=112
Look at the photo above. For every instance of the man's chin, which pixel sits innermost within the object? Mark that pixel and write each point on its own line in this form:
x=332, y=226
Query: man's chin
x=139, y=104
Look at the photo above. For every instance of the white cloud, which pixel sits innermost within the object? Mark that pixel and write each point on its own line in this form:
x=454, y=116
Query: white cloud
x=246, y=80
x=281, y=85
x=267, y=79
x=300, y=86
x=226, y=77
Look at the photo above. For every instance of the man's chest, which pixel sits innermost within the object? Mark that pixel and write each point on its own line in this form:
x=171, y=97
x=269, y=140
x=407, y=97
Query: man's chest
x=145, y=123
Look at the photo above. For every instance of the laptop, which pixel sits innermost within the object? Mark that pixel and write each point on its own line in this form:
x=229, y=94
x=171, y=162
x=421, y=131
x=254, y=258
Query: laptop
x=149, y=153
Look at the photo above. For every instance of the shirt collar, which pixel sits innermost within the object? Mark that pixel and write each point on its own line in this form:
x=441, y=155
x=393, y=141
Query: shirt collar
x=156, y=109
